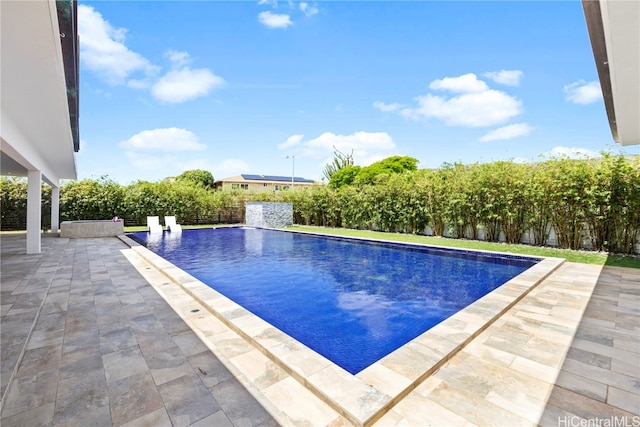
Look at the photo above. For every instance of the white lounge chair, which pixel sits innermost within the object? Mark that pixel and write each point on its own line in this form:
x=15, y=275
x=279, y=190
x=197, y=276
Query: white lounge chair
x=170, y=222
x=153, y=224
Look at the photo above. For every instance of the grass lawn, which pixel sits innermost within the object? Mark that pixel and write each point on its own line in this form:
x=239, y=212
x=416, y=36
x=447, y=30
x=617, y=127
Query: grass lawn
x=585, y=257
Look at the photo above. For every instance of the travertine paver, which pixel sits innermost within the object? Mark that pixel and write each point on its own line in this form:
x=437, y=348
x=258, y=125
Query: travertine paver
x=600, y=377
x=544, y=362
x=87, y=341
x=566, y=354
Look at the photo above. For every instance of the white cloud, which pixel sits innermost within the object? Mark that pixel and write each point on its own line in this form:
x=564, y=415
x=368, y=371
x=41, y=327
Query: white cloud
x=473, y=104
x=505, y=77
x=467, y=83
x=571, y=152
x=581, y=92
x=507, y=132
x=163, y=140
x=481, y=109
x=102, y=49
x=367, y=147
x=230, y=167
x=307, y=9
x=292, y=141
x=185, y=84
x=275, y=20
x=179, y=58
x=387, y=107
x=363, y=141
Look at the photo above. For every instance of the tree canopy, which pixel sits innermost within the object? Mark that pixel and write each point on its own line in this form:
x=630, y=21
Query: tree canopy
x=344, y=176
x=197, y=176
x=348, y=174
x=390, y=165
x=340, y=161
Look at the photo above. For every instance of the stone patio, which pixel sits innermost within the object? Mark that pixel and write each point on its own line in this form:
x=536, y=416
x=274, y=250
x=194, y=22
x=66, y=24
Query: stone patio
x=95, y=344
x=91, y=333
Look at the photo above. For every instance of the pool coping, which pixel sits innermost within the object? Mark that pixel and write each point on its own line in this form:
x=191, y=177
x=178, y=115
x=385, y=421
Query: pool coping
x=365, y=397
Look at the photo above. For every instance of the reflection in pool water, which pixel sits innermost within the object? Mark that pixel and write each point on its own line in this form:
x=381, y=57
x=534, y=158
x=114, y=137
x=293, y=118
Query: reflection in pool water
x=353, y=302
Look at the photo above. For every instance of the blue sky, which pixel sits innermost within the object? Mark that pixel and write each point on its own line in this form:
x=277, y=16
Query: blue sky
x=236, y=87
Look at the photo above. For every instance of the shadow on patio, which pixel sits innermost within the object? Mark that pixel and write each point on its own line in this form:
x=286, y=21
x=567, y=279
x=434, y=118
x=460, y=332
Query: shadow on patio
x=599, y=382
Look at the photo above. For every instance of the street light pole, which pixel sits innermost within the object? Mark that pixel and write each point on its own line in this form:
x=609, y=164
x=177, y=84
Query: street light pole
x=293, y=168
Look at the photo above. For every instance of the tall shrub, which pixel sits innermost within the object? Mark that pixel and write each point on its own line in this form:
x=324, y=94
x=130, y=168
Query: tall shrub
x=461, y=209
x=350, y=199
x=614, y=210
x=433, y=185
x=539, y=218
x=100, y=198
x=489, y=189
x=568, y=190
x=515, y=207
x=13, y=199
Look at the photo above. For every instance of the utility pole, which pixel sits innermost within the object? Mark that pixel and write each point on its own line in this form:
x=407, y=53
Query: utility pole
x=293, y=168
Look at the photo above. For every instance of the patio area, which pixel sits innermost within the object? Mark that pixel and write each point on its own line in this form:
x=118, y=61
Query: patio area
x=95, y=344
x=91, y=333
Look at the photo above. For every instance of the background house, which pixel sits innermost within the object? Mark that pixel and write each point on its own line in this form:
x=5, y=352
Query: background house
x=257, y=183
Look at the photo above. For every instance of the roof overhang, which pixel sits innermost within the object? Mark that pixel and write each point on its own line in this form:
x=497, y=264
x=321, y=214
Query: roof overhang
x=615, y=40
x=39, y=88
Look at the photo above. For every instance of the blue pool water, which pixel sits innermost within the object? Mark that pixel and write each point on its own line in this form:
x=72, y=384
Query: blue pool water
x=350, y=301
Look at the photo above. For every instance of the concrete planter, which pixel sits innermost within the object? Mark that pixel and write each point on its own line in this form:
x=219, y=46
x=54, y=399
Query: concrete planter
x=91, y=228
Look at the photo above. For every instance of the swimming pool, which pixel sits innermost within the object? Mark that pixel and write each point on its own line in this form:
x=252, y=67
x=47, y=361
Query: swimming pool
x=353, y=302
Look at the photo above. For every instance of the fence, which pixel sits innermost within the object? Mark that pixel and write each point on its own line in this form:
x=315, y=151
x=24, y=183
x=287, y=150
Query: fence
x=13, y=220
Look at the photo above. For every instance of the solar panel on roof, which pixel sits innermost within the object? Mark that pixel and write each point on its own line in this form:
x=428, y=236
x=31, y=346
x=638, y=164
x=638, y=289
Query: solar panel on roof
x=275, y=178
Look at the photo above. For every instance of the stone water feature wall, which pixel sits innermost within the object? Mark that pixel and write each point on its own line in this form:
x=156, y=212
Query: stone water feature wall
x=268, y=215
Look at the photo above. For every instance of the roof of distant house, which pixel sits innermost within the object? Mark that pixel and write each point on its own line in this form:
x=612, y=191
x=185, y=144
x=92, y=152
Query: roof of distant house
x=275, y=178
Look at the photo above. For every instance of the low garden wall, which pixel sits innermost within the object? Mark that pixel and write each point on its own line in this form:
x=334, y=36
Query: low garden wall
x=91, y=228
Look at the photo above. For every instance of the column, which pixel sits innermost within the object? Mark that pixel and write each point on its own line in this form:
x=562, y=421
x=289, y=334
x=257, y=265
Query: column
x=34, y=211
x=55, y=209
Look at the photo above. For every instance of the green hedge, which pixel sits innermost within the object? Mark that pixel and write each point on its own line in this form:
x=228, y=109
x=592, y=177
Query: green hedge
x=594, y=201
x=104, y=198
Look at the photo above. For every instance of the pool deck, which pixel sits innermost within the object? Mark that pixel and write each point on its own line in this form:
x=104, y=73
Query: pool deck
x=88, y=336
